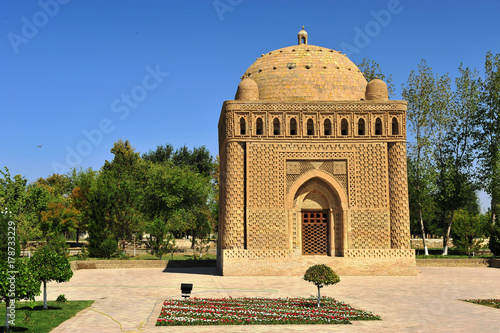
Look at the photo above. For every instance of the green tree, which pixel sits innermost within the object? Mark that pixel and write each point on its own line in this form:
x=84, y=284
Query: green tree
x=441, y=120
x=49, y=266
x=417, y=91
x=160, y=155
x=99, y=201
x=16, y=281
x=26, y=202
x=80, y=196
x=29, y=219
x=175, y=196
x=421, y=197
x=494, y=243
x=453, y=130
x=125, y=176
x=160, y=240
x=321, y=275
x=468, y=231
x=199, y=158
x=26, y=285
x=487, y=140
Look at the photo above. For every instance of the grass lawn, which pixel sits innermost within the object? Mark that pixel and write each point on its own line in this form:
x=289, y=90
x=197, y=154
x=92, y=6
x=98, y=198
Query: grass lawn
x=41, y=321
x=453, y=256
x=258, y=311
x=494, y=303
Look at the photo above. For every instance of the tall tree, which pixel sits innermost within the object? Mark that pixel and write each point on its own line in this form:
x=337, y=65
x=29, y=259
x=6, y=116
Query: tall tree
x=80, y=196
x=126, y=179
x=488, y=134
x=176, y=196
x=417, y=92
x=454, y=148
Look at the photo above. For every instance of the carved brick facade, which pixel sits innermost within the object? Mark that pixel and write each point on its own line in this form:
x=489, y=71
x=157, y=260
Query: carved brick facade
x=306, y=180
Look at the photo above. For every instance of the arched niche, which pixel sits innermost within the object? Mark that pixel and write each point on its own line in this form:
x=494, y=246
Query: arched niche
x=318, y=203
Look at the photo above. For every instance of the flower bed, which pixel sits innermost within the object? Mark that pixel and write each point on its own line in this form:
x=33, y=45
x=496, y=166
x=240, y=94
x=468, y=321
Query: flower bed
x=494, y=303
x=258, y=311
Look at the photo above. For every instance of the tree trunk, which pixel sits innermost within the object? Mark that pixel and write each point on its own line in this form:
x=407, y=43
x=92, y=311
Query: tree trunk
x=7, y=303
x=493, y=210
x=45, y=295
x=447, y=235
x=423, y=233
x=192, y=240
x=319, y=296
x=77, y=232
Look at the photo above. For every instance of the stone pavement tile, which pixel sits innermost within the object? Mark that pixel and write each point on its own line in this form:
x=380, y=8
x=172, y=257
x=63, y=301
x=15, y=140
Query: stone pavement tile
x=129, y=300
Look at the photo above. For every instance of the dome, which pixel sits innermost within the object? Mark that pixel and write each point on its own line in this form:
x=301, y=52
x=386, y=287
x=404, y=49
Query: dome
x=247, y=90
x=376, y=90
x=307, y=73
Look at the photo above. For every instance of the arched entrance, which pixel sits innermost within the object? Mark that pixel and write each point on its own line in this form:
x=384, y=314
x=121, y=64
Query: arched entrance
x=321, y=223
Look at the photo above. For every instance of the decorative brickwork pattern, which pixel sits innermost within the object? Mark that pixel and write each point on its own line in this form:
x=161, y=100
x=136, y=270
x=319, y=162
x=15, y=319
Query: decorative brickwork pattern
x=267, y=230
x=300, y=138
x=257, y=254
x=234, y=226
x=398, y=195
x=339, y=106
x=337, y=169
x=339, y=234
x=371, y=180
x=369, y=229
x=327, y=156
x=263, y=189
x=380, y=253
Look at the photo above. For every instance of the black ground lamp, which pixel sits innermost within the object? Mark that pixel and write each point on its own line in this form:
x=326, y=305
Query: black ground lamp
x=186, y=289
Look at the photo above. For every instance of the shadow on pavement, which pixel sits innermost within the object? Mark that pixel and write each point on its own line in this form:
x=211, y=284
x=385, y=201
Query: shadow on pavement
x=193, y=270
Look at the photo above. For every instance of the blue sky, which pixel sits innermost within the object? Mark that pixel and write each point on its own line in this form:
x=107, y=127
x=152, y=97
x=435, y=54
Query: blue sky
x=77, y=75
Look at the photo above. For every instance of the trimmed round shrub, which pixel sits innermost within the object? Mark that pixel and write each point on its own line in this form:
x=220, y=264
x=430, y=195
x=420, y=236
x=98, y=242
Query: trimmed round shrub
x=321, y=275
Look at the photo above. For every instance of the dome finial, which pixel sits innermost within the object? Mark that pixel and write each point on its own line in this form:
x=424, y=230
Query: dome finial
x=302, y=36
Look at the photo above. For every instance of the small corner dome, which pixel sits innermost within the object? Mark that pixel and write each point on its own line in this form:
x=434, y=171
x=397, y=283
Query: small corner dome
x=247, y=90
x=376, y=90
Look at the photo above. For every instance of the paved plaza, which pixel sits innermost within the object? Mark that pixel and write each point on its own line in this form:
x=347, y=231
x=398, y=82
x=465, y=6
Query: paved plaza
x=129, y=300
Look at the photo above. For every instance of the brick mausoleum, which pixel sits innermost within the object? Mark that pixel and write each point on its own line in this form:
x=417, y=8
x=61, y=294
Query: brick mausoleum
x=313, y=169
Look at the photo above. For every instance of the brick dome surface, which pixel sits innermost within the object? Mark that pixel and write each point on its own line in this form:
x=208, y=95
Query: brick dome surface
x=307, y=72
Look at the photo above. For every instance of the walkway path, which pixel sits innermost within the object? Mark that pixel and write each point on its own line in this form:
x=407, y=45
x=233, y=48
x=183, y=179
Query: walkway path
x=129, y=300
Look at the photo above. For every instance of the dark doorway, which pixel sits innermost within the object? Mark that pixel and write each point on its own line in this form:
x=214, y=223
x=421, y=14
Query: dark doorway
x=314, y=232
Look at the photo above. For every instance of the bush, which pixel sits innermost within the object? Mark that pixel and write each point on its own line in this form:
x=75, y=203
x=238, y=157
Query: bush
x=494, y=244
x=84, y=253
x=108, y=248
x=321, y=275
x=61, y=299
x=467, y=231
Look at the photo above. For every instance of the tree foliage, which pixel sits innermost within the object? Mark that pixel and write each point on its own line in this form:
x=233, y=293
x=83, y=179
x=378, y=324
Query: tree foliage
x=17, y=282
x=321, y=275
x=441, y=118
x=487, y=120
x=468, y=231
x=49, y=266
